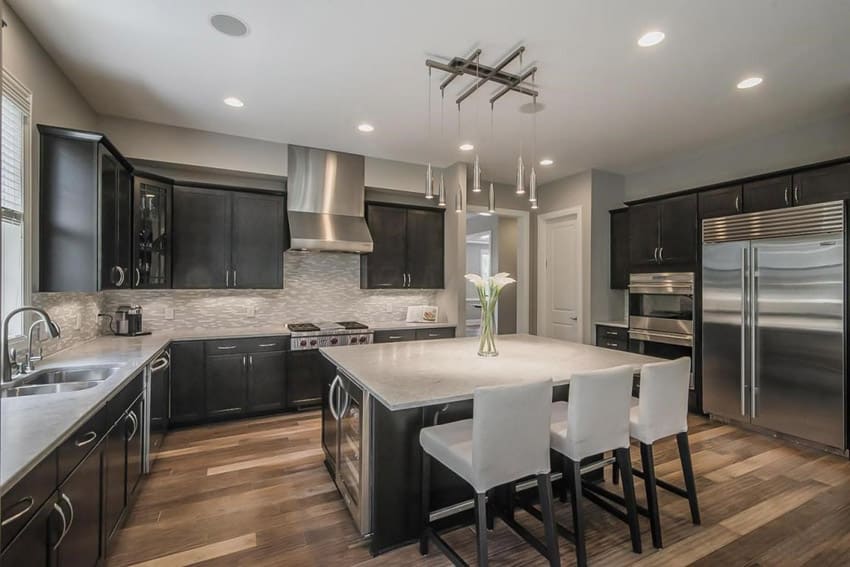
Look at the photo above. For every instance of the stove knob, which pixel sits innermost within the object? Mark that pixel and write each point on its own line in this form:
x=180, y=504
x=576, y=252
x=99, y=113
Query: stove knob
x=334, y=340
x=354, y=340
x=303, y=343
x=362, y=340
x=313, y=342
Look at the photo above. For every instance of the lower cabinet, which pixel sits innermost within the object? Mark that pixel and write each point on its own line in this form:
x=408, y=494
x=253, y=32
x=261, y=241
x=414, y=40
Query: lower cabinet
x=80, y=497
x=34, y=544
x=226, y=384
x=616, y=338
x=115, y=477
x=413, y=334
x=134, y=446
x=267, y=381
x=187, y=383
x=304, y=378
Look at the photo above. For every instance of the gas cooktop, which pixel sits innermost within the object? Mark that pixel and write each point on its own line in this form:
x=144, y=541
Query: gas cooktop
x=326, y=327
x=310, y=336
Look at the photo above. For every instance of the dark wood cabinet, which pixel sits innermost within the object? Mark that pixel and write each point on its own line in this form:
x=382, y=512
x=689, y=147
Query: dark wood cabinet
x=663, y=233
x=33, y=546
x=85, y=212
x=435, y=333
x=408, y=248
x=616, y=338
x=619, y=277
x=200, y=238
x=21, y=501
x=187, y=383
x=114, y=477
x=227, y=239
x=766, y=194
x=135, y=438
x=257, y=241
x=822, y=185
x=425, y=255
x=720, y=202
x=151, y=233
x=226, y=384
x=677, y=246
x=267, y=381
x=304, y=378
x=394, y=336
x=80, y=497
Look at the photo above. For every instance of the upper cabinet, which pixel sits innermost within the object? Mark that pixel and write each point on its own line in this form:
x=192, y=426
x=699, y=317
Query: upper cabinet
x=766, y=194
x=409, y=248
x=720, y=202
x=619, y=249
x=227, y=239
x=822, y=185
x=663, y=234
x=85, y=212
x=151, y=233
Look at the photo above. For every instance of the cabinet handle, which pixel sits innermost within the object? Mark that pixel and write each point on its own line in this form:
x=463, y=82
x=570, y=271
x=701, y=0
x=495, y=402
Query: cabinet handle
x=394, y=337
x=132, y=417
x=737, y=203
x=159, y=364
x=58, y=508
x=266, y=345
x=226, y=278
x=230, y=347
x=29, y=501
x=661, y=254
x=796, y=193
x=251, y=361
x=387, y=284
x=655, y=255
x=786, y=197
x=611, y=345
x=244, y=362
x=234, y=277
x=138, y=277
x=70, y=509
x=86, y=439
x=612, y=333
x=433, y=335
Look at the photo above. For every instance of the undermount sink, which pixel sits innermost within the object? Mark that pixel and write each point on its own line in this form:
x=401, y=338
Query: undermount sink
x=36, y=389
x=69, y=375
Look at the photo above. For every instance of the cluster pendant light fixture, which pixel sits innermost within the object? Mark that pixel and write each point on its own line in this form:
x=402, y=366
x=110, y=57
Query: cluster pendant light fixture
x=510, y=82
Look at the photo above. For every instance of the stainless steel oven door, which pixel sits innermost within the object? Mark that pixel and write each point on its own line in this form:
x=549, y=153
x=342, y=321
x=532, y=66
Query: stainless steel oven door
x=353, y=470
x=663, y=345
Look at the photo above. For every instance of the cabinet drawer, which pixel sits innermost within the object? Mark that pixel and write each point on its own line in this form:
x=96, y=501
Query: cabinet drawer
x=24, y=499
x=239, y=346
x=78, y=445
x=441, y=333
x=613, y=344
x=604, y=332
x=119, y=403
x=395, y=336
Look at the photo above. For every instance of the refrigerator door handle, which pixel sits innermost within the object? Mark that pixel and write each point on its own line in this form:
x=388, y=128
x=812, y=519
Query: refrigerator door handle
x=753, y=327
x=744, y=302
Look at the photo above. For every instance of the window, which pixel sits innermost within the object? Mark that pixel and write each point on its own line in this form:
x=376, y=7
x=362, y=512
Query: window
x=14, y=185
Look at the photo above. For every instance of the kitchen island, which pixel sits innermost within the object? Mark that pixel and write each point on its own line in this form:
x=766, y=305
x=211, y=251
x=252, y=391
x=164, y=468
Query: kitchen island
x=384, y=394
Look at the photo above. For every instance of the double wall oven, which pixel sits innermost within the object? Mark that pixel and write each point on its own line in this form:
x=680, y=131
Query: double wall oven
x=661, y=314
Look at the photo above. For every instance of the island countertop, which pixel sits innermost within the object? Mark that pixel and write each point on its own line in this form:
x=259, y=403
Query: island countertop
x=423, y=373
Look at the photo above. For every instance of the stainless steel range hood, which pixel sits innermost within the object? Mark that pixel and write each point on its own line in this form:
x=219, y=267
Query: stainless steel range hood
x=325, y=201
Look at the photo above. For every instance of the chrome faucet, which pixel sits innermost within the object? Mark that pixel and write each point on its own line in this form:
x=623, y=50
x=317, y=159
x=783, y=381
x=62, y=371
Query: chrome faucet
x=11, y=368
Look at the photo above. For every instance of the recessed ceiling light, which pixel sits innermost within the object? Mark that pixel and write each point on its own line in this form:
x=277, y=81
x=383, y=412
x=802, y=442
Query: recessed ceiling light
x=229, y=25
x=485, y=214
x=234, y=102
x=546, y=161
x=651, y=38
x=365, y=127
x=467, y=147
x=750, y=82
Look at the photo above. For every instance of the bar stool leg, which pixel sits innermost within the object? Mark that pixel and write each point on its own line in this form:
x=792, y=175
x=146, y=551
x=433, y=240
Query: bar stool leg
x=544, y=491
x=565, y=483
x=481, y=527
x=648, y=464
x=573, y=472
x=615, y=472
x=491, y=510
x=426, y=503
x=624, y=462
x=688, y=472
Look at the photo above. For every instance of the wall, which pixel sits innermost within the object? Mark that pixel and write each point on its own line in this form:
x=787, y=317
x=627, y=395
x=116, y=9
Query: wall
x=506, y=249
x=505, y=196
x=606, y=304
x=451, y=300
x=785, y=147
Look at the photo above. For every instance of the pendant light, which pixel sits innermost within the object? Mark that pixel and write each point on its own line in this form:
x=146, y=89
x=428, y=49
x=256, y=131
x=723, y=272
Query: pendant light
x=476, y=175
x=491, y=201
x=532, y=186
x=532, y=178
x=520, y=174
x=429, y=183
x=459, y=199
x=442, y=194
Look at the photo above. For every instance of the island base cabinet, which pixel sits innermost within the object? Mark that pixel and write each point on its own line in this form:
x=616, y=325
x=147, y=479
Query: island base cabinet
x=305, y=374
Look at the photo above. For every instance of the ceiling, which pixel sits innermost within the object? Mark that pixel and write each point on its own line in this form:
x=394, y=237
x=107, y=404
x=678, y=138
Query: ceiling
x=309, y=71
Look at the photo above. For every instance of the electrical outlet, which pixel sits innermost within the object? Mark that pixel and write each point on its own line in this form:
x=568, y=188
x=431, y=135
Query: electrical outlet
x=252, y=311
x=78, y=322
x=169, y=313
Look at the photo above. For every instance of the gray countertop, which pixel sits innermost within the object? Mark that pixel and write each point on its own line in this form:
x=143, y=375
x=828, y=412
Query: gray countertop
x=622, y=324
x=423, y=373
x=33, y=426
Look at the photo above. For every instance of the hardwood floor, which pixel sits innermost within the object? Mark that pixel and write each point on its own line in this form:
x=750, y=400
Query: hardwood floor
x=255, y=492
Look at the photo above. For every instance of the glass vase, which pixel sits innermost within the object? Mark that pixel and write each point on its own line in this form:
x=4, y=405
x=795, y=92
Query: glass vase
x=487, y=344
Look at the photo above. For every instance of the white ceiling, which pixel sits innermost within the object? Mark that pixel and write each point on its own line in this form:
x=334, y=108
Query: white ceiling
x=310, y=70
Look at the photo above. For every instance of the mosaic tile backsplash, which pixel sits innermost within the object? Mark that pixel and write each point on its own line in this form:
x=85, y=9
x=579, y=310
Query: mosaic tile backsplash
x=317, y=287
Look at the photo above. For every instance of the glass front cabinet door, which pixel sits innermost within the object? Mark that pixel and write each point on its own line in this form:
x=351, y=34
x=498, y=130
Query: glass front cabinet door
x=151, y=234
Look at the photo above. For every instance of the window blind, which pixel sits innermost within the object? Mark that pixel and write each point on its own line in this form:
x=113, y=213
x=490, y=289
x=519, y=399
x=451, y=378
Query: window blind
x=15, y=115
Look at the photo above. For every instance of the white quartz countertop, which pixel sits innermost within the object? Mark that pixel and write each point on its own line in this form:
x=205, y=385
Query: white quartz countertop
x=33, y=426
x=400, y=325
x=423, y=373
x=623, y=324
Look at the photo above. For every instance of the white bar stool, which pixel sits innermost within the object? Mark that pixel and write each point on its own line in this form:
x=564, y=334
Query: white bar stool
x=662, y=411
x=595, y=420
x=506, y=440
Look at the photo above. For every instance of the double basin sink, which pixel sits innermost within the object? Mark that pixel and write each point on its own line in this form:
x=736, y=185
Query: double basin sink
x=56, y=380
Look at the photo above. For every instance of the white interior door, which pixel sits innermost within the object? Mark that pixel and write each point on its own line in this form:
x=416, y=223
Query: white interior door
x=561, y=313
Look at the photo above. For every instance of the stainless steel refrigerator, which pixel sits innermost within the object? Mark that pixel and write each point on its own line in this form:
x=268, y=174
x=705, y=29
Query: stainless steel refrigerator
x=773, y=288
